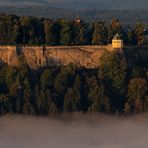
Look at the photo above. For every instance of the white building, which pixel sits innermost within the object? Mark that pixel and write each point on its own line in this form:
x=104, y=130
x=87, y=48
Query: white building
x=117, y=42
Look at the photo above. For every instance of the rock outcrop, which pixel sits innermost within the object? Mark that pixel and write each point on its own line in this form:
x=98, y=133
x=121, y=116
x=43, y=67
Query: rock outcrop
x=40, y=56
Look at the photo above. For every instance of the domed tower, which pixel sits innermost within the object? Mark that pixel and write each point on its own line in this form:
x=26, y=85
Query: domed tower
x=117, y=42
x=78, y=20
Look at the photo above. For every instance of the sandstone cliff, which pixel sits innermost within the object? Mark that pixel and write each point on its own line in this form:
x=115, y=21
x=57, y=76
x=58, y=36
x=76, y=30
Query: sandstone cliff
x=40, y=56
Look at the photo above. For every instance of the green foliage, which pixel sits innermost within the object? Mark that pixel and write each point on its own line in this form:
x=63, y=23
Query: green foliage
x=137, y=93
x=28, y=99
x=139, y=33
x=5, y=105
x=48, y=24
x=36, y=31
x=71, y=101
x=115, y=27
x=46, y=80
x=113, y=74
x=113, y=66
x=99, y=102
x=65, y=33
x=100, y=34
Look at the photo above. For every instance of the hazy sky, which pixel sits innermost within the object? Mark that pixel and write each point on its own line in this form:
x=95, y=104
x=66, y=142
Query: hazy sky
x=83, y=132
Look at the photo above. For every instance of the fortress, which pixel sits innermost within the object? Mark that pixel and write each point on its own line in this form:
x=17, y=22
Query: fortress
x=42, y=56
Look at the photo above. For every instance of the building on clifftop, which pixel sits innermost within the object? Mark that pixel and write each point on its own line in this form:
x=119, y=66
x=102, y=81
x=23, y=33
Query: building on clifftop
x=78, y=20
x=117, y=42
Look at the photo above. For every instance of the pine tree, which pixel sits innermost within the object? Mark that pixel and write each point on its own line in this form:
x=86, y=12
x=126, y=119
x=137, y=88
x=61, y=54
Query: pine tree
x=115, y=27
x=139, y=33
x=71, y=101
x=65, y=33
x=137, y=93
x=48, y=24
x=100, y=34
x=28, y=99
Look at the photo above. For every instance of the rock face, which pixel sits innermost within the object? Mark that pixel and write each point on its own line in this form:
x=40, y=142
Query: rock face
x=8, y=55
x=41, y=56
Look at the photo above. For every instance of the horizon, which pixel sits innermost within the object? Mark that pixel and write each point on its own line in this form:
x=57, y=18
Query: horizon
x=81, y=4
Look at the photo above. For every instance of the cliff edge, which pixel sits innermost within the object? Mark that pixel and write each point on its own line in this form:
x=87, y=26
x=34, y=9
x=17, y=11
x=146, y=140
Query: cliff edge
x=42, y=56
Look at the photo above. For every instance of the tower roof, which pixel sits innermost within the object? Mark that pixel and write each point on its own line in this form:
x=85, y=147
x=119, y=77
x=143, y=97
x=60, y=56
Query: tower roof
x=78, y=19
x=117, y=37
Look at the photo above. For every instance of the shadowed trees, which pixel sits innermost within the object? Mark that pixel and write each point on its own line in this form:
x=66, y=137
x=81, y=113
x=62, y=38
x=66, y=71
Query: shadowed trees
x=69, y=88
x=137, y=94
x=100, y=34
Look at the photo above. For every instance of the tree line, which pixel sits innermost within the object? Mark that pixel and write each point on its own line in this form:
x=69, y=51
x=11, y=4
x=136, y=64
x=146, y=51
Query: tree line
x=113, y=87
x=36, y=31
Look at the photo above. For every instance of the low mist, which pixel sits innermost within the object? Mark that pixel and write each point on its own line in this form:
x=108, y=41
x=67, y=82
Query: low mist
x=81, y=131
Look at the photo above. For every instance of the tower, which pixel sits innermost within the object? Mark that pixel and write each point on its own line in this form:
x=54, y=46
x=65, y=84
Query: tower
x=77, y=20
x=117, y=42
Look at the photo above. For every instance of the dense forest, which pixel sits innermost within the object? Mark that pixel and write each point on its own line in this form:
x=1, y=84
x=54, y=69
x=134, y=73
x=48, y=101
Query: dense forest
x=112, y=88
x=36, y=31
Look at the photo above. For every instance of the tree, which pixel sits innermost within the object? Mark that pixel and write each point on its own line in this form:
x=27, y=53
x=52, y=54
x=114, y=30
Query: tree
x=48, y=24
x=11, y=75
x=60, y=82
x=15, y=94
x=80, y=33
x=5, y=104
x=137, y=93
x=28, y=98
x=139, y=33
x=100, y=34
x=71, y=101
x=8, y=34
x=42, y=104
x=77, y=90
x=46, y=80
x=113, y=73
x=31, y=31
x=113, y=66
x=99, y=102
x=53, y=109
x=56, y=29
x=131, y=38
x=65, y=33
x=115, y=27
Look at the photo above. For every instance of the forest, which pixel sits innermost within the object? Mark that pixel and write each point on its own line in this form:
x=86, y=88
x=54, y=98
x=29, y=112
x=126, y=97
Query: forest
x=113, y=88
x=27, y=30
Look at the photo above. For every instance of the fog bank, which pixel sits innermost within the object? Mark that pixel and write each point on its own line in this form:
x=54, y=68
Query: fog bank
x=98, y=131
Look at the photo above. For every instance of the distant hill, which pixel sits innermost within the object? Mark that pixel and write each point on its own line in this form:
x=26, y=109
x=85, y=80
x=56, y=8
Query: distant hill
x=128, y=11
x=83, y=4
x=127, y=17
